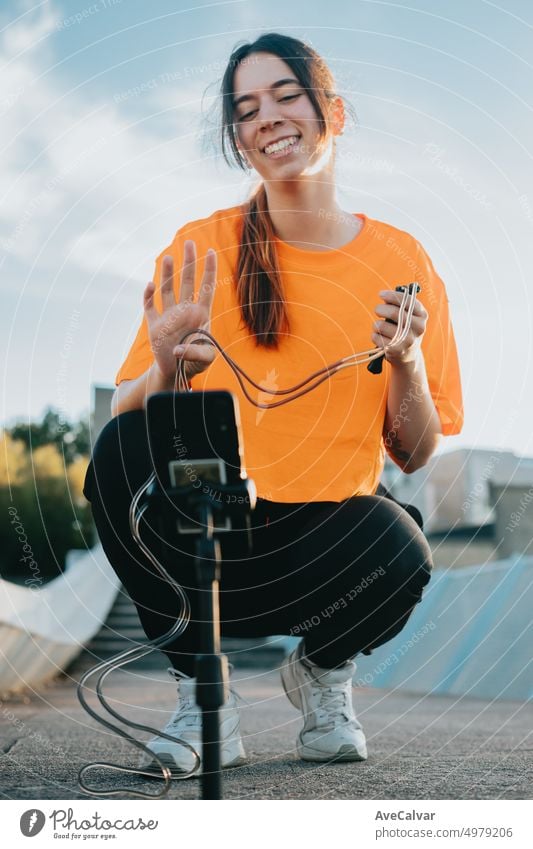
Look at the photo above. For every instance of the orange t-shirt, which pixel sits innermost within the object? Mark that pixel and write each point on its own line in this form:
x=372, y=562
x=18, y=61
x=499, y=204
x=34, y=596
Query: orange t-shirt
x=328, y=444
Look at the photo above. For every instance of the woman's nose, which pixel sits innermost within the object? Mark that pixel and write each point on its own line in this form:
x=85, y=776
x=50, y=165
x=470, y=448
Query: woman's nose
x=269, y=114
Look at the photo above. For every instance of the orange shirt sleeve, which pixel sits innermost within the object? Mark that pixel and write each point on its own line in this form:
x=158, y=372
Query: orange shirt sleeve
x=439, y=347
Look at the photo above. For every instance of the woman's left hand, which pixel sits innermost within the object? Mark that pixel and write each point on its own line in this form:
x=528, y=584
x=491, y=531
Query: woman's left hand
x=408, y=350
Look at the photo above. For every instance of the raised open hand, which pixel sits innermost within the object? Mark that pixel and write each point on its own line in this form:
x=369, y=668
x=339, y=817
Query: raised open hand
x=167, y=328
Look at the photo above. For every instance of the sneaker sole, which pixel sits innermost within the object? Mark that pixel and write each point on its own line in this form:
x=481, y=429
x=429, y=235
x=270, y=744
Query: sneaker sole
x=167, y=759
x=345, y=753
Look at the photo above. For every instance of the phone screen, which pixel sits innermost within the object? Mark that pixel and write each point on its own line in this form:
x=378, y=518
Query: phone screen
x=195, y=441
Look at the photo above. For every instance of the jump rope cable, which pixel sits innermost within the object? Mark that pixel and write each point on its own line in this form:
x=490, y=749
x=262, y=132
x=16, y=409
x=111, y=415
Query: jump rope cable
x=409, y=293
x=105, y=668
x=136, y=513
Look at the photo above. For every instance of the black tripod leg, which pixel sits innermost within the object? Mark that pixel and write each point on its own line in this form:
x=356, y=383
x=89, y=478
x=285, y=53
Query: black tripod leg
x=211, y=667
x=212, y=673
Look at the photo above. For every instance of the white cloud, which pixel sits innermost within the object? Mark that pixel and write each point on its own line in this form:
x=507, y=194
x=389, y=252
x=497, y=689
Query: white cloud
x=27, y=28
x=89, y=165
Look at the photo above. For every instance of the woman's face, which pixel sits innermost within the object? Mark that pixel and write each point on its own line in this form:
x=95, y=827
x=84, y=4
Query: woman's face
x=270, y=105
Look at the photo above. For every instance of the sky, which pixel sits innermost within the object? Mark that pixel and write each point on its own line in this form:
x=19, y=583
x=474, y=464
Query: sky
x=105, y=109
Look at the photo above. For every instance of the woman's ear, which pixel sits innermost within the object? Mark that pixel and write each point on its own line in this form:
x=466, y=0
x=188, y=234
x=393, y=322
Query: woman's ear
x=337, y=116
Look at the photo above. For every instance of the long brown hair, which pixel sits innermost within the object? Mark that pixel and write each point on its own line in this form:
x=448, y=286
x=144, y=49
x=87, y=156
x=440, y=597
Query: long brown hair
x=259, y=288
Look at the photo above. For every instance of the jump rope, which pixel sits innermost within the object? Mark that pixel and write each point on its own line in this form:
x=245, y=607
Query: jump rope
x=373, y=358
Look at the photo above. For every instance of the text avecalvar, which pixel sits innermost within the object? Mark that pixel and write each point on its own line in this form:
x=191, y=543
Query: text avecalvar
x=405, y=815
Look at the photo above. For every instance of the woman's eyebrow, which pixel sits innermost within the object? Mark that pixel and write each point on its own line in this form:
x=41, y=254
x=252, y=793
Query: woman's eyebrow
x=277, y=84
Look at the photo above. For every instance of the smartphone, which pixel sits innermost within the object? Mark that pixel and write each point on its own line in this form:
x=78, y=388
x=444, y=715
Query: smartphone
x=196, y=441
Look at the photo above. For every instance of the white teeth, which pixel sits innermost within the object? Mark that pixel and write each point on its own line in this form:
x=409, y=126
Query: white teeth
x=281, y=145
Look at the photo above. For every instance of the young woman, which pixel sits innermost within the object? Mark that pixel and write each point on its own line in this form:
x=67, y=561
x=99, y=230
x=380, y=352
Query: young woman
x=288, y=283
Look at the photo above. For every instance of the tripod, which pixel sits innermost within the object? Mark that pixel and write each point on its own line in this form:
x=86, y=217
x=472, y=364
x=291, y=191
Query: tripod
x=212, y=678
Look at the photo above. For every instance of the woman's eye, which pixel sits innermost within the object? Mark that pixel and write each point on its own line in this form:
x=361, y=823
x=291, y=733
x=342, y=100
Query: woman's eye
x=287, y=97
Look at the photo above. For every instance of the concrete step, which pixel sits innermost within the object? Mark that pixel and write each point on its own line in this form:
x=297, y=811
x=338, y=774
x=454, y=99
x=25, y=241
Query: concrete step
x=123, y=630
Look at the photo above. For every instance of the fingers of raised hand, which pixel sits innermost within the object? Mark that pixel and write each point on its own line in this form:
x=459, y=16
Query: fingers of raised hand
x=167, y=282
x=207, y=288
x=188, y=272
x=198, y=350
x=149, y=307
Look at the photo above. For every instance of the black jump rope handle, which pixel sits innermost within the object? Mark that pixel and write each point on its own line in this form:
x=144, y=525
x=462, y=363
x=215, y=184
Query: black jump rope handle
x=376, y=366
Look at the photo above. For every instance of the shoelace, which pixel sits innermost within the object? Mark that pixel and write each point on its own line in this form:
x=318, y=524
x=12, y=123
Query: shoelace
x=188, y=713
x=332, y=705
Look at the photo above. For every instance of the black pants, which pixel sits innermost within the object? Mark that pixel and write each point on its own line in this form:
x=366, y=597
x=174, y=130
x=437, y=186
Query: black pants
x=343, y=575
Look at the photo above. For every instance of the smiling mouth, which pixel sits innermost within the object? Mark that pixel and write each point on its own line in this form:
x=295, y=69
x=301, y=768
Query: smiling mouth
x=282, y=147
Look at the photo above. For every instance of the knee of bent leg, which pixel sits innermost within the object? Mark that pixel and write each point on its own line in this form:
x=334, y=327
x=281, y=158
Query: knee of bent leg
x=413, y=560
x=407, y=553
x=114, y=438
x=377, y=533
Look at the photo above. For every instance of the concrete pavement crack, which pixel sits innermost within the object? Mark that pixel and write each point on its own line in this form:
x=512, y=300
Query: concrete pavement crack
x=8, y=746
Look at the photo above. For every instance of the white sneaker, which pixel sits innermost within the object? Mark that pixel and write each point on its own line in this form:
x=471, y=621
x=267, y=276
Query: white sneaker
x=331, y=730
x=186, y=725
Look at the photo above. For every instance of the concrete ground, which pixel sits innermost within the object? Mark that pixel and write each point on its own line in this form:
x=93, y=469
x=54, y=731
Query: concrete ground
x=420, y=747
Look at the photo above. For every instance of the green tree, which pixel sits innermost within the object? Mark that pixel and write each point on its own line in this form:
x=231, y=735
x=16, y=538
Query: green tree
x=41, y=496
x=72, y=439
